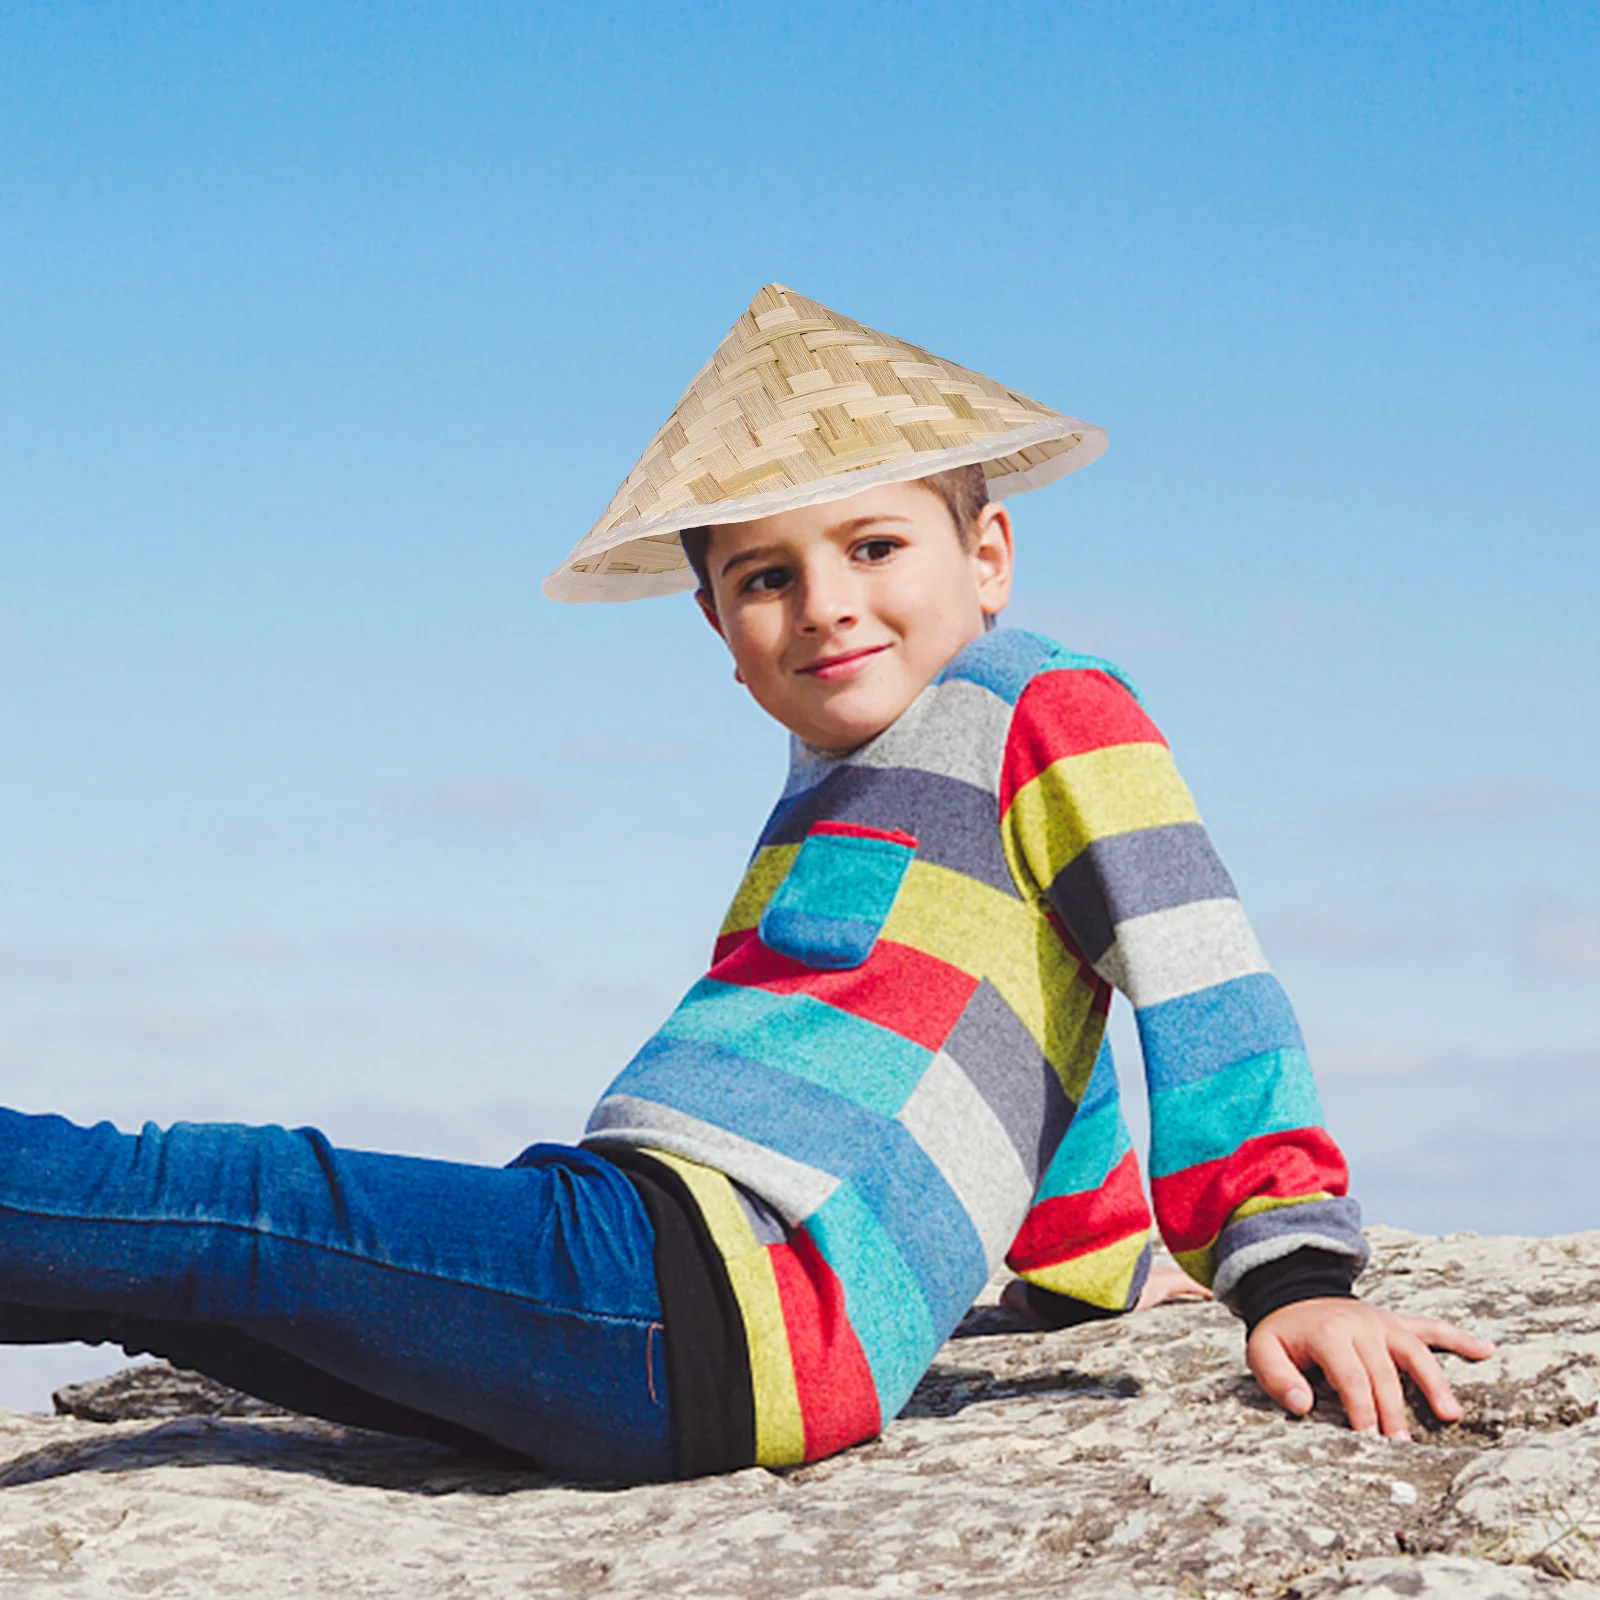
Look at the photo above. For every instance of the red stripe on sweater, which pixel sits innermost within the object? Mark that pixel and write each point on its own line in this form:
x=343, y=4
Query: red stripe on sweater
x=1068, y=713
x=898, y=987
x=859, y=830
x=838, y=1402
x=1194, y=1204
x=1067, y=1226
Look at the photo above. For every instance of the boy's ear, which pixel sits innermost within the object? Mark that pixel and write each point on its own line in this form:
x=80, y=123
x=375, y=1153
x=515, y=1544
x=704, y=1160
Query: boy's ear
x=708, y=609
x=992, y=555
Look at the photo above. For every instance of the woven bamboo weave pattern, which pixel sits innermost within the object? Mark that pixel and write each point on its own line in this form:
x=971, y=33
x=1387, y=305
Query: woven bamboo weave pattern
x=799, y=405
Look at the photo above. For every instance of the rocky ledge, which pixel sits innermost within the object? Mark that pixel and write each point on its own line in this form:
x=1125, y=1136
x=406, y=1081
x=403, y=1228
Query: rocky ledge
x=1132, y=1459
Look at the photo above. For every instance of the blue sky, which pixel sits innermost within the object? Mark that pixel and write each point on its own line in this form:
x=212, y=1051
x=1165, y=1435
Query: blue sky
x=326, y=330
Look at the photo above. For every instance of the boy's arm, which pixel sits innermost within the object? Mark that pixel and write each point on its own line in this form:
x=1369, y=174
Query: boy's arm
x=1249, y=1188
x=1242, y=1172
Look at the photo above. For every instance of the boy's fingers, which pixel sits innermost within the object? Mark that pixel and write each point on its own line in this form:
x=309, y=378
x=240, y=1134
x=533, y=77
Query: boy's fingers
x=1363, y=1353
x=1447, y=1336
x=1386, y=1391
x=1282, y=1380
x=1418, y=1360
x=1343, y=1367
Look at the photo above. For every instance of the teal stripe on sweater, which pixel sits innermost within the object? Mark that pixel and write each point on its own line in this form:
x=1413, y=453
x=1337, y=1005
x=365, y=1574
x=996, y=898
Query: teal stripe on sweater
x=1210, y=1118
x=798, y=1034
x=1094, y=1144
x=883, y=1299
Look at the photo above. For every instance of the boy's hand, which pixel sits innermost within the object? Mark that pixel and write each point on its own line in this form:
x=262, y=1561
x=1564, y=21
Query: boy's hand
x=1362, y=1351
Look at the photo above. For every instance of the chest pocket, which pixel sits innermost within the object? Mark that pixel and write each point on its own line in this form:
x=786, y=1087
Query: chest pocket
x=829, y=910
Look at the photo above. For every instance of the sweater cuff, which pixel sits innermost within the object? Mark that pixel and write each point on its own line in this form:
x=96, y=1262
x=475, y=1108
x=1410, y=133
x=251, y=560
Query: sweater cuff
x=1304, y=1274
x=1061, y=1310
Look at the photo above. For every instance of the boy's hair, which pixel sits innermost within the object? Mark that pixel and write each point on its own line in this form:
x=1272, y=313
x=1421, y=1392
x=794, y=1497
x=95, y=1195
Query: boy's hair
x=964, y=490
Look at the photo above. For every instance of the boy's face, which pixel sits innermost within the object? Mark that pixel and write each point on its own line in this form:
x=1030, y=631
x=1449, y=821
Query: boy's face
x=838, y=616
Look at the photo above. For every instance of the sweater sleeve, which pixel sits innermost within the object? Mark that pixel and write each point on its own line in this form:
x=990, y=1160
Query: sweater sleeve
x=1097, y=820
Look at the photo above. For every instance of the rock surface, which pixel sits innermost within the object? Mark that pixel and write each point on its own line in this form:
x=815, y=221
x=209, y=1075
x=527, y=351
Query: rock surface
x=155, y=1390
x=1116, y=1460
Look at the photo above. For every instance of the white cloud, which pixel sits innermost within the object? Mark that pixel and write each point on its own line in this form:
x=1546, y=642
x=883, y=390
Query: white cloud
x=1370, y=1060
x=258, y=947
x=1566, y=941
x=480, y=802
x=1494, y=800
x=623, y=997
x=1446, y=1139
x=64, y=963
x=1287, y=623
x=1330, y=933
x=180, y=1031
x=1336, y=935
x=433, y=947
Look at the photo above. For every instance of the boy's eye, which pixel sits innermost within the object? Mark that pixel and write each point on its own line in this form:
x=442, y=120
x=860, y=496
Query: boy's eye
x=873, y=550
x=766, y=580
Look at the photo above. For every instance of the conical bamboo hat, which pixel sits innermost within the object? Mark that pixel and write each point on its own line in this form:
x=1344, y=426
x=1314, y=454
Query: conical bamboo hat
x=800, y=406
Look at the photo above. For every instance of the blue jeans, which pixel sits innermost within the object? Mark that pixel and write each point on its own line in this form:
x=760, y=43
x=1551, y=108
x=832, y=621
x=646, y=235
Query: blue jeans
x=511, y=1308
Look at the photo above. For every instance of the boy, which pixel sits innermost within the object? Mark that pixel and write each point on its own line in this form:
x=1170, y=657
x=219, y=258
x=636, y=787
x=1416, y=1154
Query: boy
x=895, y=1069
x=894, y=1074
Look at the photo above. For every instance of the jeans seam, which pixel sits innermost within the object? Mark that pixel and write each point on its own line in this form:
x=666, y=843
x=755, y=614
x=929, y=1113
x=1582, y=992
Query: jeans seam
x=650, y=1361
x=334, y=1250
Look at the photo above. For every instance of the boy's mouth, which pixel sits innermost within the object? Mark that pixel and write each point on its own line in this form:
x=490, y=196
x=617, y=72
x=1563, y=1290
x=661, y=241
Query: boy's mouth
x=843, y=665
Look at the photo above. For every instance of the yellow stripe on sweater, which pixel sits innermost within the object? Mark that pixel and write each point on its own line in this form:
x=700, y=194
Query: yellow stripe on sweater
x=1101, y=1278
x=1273, y=1202
x=761, y=880
x=1201, y=1263
x=997, y=936
x=780, y=1428
x=1079, y=799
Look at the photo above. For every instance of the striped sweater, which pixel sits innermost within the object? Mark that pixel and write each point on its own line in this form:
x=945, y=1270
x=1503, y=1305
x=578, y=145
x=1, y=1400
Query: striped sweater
x=895, y=1074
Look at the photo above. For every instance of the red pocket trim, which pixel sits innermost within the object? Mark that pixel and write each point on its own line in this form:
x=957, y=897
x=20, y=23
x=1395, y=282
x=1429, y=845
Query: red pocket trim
x=855, y=830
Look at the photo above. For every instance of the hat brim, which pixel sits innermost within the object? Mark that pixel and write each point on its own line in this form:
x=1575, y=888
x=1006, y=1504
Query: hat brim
x=642, y=558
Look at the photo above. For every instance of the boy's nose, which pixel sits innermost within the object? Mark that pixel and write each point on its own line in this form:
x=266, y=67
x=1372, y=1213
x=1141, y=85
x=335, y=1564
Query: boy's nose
x=827, y=602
